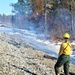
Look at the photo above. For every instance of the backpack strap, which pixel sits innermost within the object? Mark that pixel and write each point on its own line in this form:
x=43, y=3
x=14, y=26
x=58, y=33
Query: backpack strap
x=66, y=46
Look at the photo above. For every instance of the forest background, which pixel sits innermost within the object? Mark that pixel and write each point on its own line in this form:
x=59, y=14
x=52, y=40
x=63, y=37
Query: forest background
x=51, y=17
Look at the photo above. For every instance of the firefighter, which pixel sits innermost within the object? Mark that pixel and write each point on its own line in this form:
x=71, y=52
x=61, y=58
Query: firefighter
x=64, y=56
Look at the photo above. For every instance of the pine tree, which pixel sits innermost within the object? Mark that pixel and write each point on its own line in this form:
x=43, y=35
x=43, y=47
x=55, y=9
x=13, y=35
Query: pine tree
x=22, y=7
x=70, y=5
x=38, y=6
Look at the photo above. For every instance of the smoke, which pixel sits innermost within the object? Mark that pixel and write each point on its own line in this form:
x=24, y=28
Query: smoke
x=55, y=23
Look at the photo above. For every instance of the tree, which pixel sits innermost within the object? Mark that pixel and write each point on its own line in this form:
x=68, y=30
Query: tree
x=22, y=10
x=51, y=5
x=70, y=5
x=22, y=7
x=41, y=11
x=39, y=5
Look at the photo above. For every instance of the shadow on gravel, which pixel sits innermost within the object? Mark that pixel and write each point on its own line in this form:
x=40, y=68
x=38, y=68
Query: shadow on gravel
x=50, y=57
x=72, y=73
x=24, y=69
x=69, y=73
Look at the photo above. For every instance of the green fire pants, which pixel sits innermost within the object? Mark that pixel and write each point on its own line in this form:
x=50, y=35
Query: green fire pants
x=62, y=60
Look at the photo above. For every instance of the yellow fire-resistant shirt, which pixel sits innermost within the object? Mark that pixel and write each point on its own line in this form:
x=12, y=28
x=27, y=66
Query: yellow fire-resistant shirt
x=65, y=48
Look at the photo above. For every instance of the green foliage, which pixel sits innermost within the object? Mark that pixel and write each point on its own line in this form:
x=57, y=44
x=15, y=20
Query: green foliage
x=51, y=5
x=68, y=4
x=21, y=1
x=22, y=6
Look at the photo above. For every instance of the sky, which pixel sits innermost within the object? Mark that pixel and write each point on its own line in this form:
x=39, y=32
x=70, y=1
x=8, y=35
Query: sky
x=5, y=7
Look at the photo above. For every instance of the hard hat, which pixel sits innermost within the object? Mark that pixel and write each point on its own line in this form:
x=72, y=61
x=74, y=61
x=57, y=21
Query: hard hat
x=66, y=35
